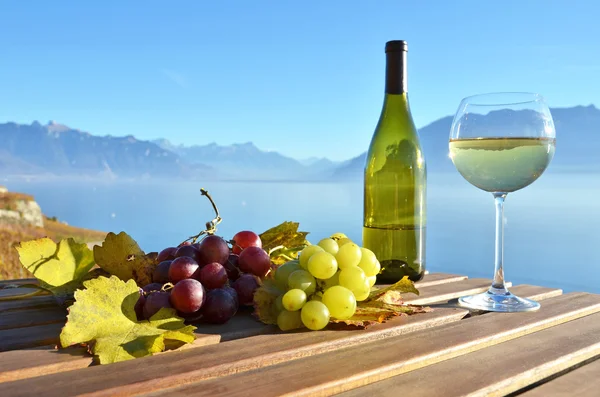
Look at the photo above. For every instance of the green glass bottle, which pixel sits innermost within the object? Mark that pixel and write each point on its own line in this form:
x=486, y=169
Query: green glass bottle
x=395, y=181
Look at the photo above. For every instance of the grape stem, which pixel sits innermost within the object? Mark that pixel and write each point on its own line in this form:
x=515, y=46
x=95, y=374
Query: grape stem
x=211, y=226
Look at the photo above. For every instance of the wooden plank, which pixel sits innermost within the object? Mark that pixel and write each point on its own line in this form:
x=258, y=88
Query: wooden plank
x=21, y=364
x=219, y=359
x=438, y=278
x=314, y=357
x=29, y=303
x=21, y=338
x=446, y=292
x=17, y=364
x=29, y=318
x=361, y=364
x=501, y=369
x=43, y=361
x=40, y=335
x=19, y=281
x=534, y=292
x=581, y=382
x=240, y=327
x=6, y=293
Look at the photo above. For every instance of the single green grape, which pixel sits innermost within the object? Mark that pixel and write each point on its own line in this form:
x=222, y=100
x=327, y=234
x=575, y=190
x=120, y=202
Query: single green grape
x=353, y=278
x=303, y=280
x=340, y=301
x=283, y=273
x=330, y=282
x=368, y=262
x=329, y=245
x=372, y=280
x=349, y=255
x=306, y=253
x=344, y=241
x=294, y=299
x=279, y=303
x=338, y=236
x=315, y=315
x=287, y=320
x=362, y=293
x=322, y=265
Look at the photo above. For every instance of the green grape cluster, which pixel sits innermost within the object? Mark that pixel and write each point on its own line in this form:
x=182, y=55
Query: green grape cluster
x=325, y=282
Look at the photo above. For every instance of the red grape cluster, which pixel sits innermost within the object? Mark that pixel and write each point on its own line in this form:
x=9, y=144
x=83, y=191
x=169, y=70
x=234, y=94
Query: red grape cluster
x=210, y=280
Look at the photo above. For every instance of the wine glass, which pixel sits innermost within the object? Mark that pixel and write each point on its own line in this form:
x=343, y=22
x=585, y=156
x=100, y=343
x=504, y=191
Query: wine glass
x=501, y=142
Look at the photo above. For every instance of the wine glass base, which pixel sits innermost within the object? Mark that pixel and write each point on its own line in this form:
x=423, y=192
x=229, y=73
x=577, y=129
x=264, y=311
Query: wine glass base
x=493, y=302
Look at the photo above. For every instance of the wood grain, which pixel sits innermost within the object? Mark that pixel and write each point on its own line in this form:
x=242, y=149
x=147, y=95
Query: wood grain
x=23, y=338
x=175, y=368
x=448, y=291
x=438, y=278
x=334, y=372
x=20, y=364
x=40, y=361
x=33, y=317
x=19, y=281
x=17, y=292
x=36, y=361
x=29, y=303
x=505, y=368
x=239, y=327
x=534, y=292
x=581, y=382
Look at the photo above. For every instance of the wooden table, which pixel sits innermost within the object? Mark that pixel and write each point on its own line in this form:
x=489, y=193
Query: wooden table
x=447, y=352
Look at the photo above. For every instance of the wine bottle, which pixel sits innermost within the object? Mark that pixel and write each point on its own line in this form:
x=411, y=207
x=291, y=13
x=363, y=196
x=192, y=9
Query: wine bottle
x=395, y=180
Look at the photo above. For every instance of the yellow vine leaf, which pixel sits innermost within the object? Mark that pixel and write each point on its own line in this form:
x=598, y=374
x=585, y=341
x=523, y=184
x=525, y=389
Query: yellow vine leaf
x=120, y=255
x=284, y=240
x=103, y=318
x=59, y=267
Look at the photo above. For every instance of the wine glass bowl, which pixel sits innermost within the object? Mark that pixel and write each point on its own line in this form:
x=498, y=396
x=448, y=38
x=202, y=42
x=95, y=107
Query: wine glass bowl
x=500, y=143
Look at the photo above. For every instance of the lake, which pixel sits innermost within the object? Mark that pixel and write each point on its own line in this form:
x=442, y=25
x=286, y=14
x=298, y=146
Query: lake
x=551, y=234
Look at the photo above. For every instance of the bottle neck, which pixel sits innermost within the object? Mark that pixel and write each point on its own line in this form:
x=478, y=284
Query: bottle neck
x=395, y=73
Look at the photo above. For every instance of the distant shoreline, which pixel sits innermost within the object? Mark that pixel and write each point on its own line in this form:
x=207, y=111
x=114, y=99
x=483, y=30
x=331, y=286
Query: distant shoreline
x=560, y=169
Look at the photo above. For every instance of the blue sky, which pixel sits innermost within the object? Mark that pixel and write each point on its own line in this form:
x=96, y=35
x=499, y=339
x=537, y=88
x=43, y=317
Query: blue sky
x=304, y=78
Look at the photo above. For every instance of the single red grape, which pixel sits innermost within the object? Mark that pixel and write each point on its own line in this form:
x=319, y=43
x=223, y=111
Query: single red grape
x=233, y=293
x=187, y=296
x=161, y=272
x=245, y=287
x=184, y=244
x=213, y=249
x=231, y=267
x=245, y=239
x=212, y=275
x=168, y=254
x=154, y=302
x=182, y=268
x=219, y=307
x=152, y=287
x=255, y=260
x=189, y=251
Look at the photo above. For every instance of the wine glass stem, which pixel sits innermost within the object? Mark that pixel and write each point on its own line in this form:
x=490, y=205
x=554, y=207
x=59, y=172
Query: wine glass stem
x=498, y=286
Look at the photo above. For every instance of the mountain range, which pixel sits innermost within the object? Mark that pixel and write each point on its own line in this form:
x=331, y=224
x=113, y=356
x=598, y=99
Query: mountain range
x=56, y=149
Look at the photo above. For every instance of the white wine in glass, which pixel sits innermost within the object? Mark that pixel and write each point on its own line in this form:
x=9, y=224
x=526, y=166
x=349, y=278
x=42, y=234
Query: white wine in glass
x=500, y=143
